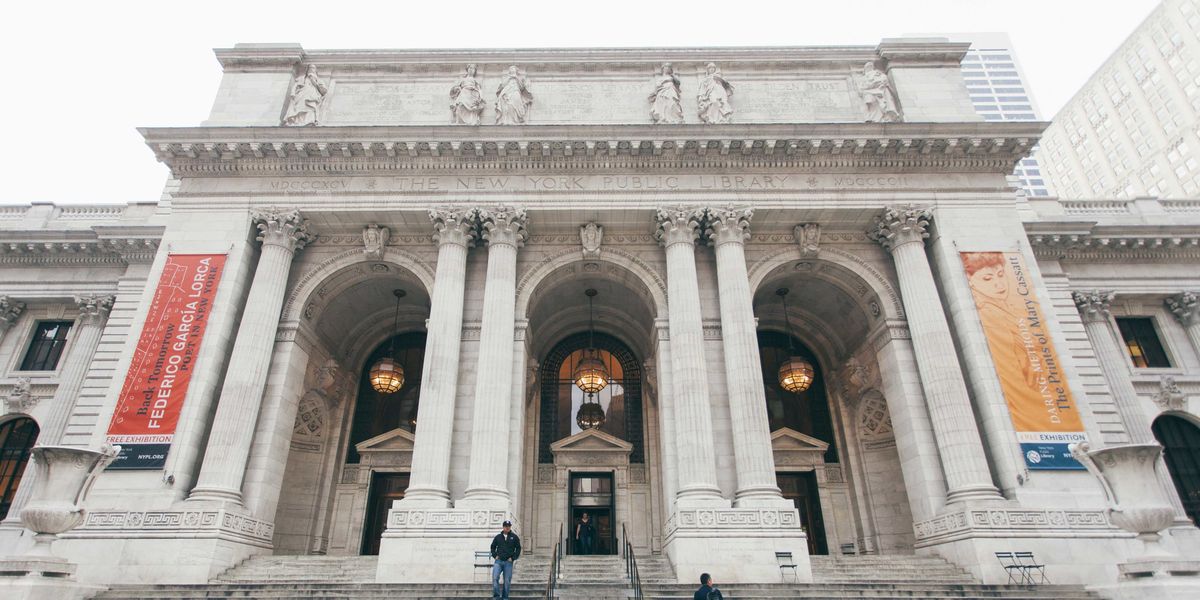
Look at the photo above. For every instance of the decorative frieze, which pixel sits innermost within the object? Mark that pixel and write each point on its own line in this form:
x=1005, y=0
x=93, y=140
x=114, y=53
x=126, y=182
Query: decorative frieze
x=220, y=524
x=716, y=521
x=1013, y=523
x=446, y=520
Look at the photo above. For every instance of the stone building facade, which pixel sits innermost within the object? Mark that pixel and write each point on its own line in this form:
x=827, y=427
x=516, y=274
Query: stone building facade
x=494, y=189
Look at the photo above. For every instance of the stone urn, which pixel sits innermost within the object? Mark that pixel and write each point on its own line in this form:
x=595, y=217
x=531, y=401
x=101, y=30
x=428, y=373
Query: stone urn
x=1137, y=501
x=62, y=478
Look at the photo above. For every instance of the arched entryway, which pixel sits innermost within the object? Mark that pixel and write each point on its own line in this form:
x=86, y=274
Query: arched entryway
x=17, y=437
x=1181, y=443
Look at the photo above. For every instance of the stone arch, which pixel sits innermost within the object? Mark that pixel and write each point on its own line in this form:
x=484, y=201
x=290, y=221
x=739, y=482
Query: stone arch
x=316, y=276
x=864, y=277
x=644, y=273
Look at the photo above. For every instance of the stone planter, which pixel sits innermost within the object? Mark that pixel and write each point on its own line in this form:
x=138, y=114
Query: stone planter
x=1137, y=501
x=62, y=478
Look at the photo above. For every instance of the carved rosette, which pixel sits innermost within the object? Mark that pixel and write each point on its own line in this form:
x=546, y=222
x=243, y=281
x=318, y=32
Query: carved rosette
x=1093, y=305
x=94, y=308
x=454, y=226
x=1185, y=307
x=808, y=237
x=503, y=225
x=10, y=311
x=899, y=225
x=678, y=225
x=727, y=225
x=286, y=229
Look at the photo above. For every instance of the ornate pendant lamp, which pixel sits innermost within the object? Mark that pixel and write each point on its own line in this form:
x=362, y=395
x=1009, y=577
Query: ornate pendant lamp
x=795, y=374
x=386, y=375
x=591, y=376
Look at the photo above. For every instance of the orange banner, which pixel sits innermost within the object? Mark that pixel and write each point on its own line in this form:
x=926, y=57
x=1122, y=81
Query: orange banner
x=1043, y=411
x=157, y=382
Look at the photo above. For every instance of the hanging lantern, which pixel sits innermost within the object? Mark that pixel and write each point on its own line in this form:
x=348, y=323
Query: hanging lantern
x=591, y=375
x=795, y=374
x=590, y=415
x=386, y=375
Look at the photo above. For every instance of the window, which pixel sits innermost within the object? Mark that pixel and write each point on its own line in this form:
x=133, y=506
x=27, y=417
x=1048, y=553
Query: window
x=16, y=440
x=49, y=339
x=1141, y=340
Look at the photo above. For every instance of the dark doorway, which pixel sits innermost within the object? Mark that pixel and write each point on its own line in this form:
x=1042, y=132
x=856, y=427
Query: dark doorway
x=1181, y=443
x=16, y=440
x=385, y=488
x=801, y=489
x=592, y=493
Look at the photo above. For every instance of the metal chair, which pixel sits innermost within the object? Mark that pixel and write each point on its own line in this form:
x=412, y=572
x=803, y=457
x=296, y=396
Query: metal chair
x=1013, y=567
x=786, y=561
x=483, y=560
x=1030, y=568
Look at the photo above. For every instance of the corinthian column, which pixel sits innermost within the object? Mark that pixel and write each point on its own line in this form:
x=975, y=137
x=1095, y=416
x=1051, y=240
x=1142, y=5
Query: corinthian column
x=93, y=313
x=1186, y=308
x=902, y=231
x=282, y=234
x=487, y=482
x=454, y=233
x=678, y=229
x=728, y=231
x=10, y=311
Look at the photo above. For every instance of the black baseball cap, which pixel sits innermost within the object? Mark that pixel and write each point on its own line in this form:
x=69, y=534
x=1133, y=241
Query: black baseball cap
x=508, y=523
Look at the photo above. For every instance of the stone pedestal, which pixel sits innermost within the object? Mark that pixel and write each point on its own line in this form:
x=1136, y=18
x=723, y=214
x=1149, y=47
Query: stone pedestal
x=431, y=545
x=739, y=544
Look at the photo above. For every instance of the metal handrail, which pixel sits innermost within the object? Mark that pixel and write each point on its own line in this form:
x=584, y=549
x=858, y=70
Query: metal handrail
x=631, y=568
x=555, y=558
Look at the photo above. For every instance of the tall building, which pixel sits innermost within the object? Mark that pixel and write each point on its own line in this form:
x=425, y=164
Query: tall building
x=1132, y=129
x=747, y=308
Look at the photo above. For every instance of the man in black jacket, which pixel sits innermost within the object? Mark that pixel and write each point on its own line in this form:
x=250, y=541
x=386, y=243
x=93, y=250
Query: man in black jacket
x=708, y=590
x=506, y=548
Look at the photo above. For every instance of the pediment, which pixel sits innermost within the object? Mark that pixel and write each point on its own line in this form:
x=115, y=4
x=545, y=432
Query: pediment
x=786, y=439
x=591, y=440
x=396, y=440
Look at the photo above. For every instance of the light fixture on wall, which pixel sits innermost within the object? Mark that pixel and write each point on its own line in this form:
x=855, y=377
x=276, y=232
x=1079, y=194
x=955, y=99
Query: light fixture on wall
x=590, y=375
x=796, y=373
x=386, y=375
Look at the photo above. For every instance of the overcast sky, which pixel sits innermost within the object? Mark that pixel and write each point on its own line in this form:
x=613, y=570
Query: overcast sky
x=80, y=78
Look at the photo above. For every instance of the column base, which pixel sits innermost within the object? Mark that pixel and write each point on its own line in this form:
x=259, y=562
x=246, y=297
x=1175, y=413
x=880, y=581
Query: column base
x=434, y=545
x=737, y=545
x=425, y=497
x=217, y=495
x=765, y=497
x=975, y=494
x=700, y=497
x=485, y=499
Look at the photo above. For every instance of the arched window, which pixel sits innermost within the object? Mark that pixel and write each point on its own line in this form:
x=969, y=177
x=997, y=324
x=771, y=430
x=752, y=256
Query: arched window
x=621, y=399
x=16, y=440
x=806, y=412
x=377, y=413
x=1181, y=444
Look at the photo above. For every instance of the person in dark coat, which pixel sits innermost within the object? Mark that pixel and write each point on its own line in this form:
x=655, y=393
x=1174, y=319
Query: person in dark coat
x=506, y=548
x=585, y=535
x=708, y=590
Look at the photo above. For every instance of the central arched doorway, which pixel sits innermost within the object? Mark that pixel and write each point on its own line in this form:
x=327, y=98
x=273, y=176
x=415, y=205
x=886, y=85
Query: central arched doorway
x=1181, y=451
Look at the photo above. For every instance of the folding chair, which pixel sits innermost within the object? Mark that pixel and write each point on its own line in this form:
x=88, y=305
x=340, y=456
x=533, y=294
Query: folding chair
x=1030, y=568
x=483, y=560
x=786, y=562
x=1016, y=572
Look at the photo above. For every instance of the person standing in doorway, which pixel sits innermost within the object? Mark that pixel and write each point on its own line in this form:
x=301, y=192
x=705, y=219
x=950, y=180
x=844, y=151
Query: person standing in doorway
x=506, y=549
x=585, y=535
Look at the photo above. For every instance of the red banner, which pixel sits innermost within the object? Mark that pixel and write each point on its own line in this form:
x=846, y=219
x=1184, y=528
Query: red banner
x=157, y=382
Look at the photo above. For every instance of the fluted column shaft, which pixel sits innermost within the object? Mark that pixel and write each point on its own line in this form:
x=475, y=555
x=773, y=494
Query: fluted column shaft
x=487, y=481
x=902, y=231
x=697, y=467
x=454, y=232
x=282, y=234
x=1186, y=308
x=93, y=313
x=756, y=485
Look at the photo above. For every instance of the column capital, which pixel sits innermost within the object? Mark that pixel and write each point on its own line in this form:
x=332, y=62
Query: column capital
x=729, y=224
x=899, y=225
x=10, y=311
x=454, y=226
x=284, y=228
x=1183, y=305
x=503, y=225
x=94, y=308
x=1093, y=305
x=678, y=225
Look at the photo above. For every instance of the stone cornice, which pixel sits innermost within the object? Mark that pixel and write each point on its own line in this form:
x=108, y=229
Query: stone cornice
x=227, y=151
x=1075, y=240
x=112, y=246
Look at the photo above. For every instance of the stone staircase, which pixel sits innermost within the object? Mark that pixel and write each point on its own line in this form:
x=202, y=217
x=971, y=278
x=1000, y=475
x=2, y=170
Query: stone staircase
x=596, y=578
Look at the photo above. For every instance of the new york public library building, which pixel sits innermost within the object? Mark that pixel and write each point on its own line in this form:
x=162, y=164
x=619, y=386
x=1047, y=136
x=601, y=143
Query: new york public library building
x=730, y=302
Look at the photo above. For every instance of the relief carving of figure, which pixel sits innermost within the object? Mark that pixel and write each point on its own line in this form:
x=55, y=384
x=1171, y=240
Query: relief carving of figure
x=664, y=101
x=878, y=95
x=513, y=98
x=713, y=100
x=304, y=103
x=466, y=99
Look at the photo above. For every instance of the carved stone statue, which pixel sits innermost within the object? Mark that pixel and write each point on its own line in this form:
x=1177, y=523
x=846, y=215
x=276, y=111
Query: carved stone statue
x=466, y=99
x=808, y=235
x=878, y=96
x=304, y=102
x=1169, y=396
x=664, y=100
x=713, y=100
x=19, y=399
x=590, y=236
x=513, y=98
x=374, y=240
